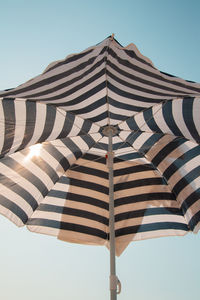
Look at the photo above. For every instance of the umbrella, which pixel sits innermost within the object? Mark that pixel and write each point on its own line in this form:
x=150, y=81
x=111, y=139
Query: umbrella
x=103, y=149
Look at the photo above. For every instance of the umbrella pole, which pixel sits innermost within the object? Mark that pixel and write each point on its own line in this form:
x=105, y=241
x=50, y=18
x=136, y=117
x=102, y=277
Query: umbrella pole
x=113, y=277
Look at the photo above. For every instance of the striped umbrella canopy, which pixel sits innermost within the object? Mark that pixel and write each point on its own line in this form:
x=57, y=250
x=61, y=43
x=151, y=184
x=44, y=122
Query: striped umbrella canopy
x=102, y=135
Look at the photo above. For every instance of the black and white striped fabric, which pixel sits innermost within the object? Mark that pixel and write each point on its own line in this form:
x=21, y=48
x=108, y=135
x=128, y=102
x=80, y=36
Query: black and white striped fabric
x=54, y=173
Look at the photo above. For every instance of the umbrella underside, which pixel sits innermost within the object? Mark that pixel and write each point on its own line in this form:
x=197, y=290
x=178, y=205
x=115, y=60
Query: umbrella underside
x=54, y=146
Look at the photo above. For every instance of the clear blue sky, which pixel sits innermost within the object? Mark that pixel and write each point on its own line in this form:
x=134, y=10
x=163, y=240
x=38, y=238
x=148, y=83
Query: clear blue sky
x=37, y=32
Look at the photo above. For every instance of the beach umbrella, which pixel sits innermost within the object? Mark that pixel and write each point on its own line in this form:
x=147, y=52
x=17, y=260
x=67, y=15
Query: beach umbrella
x=103, y=149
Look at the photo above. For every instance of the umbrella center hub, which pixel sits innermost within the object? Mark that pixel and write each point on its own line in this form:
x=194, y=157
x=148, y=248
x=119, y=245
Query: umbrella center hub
x=107, y=130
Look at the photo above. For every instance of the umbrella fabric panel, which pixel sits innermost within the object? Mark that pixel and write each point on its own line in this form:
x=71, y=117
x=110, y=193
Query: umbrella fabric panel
x=54, y=149
x=29, y=174
x=25, y=123
x=76, y=84
x=106, y=81
x=76, y=208
x=179, y=117
x=145, y=205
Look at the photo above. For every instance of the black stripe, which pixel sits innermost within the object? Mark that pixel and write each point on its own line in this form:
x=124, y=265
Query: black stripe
x=30, y=123
x=90, y=171
x=147, y=212
x=9, y=115
x=93, y=157
x=132, y=54
x=88, y=200
x=49, y=123
x=138, y=183
x=180, y=161
x=149, y=118
x=88, y=140
x=133, y=96
x=78, y=198
x=132, y=137
x=14, y=208
x=73, y=212
x=57, y=155
x=67, y=126
x=89, y=185
x=144, y=197
x=121, y=105
x=169, y=118
x=189, y=119
x=25, y=173
x=89, y=108
x=99, y=117
x=68, y=60
x=133, y=169
x=77, y=100
x=115, y=116
x=72, y=147
x=190, y=200
x=47, y=81
x=165, y=151
x=132, y=124
x=151, y=227
x=150, y=142
x=194, y=220
x=130, y=156
x=85, y=127
x=152, y=84
x=11, y=185
x=68, y=92
x=139, y=88
x=68, y=226
x=43, y=165
x=187, y=179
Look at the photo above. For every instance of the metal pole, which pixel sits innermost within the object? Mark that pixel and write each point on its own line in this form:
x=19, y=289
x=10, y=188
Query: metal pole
x=113, y=277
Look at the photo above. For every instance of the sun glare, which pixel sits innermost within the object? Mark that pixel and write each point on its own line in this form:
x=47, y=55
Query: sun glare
x=34, y=151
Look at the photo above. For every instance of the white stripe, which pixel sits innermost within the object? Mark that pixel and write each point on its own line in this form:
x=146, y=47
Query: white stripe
x=163, y=92
x=49, y=159
x=61, y=147
x=175, y=154
x=95, y=113
x=183, y=171
x=177, y=110
x=150, y=220
x=135, y=92
x=77, y=125
x=14, y=197
x=129, y=101
x=120, y=111
x=21, y=181
x=11, y=216
x=162, y=203
x=141, y=122
x=39, y=123
x=20, y=124
x=159, y=119
x=72, y=96
x=90, y=100
x=58, y=124
x=34, y=169
x=60, y=70
x=44, y=230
